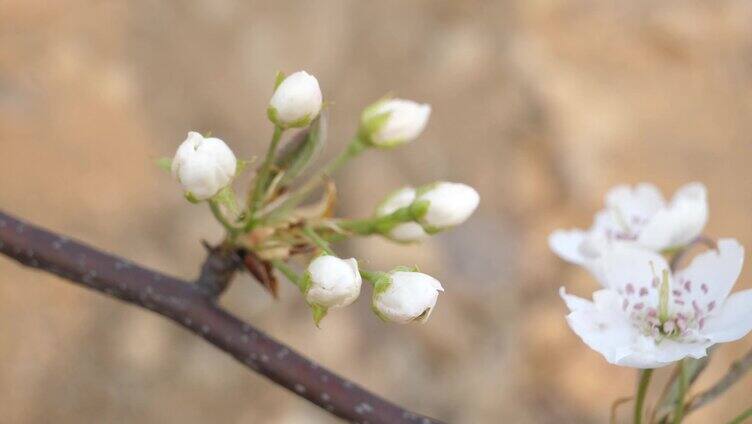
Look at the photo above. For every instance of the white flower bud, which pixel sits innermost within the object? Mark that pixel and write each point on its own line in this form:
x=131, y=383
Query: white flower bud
x=409, y=296
x=204, y=166
x=335, y=282
x=395, y=121
x=449, y=204
x=407, y=231
x=296, y=101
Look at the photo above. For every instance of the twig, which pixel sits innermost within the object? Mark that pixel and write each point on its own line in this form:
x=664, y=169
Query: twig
x=734, y=374
x=218, y=269
x=190, y=307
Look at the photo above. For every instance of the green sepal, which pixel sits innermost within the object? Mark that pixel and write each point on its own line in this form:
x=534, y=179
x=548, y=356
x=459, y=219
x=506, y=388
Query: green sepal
x=241, y=166
x=319, y=312
x=404, y=268
x=273, y=116
x=301, y=150
x=191, y=198
x=226, y=198
x=419, y=209
x=278, y=78
x=383, y=281
x=165, y=164
x=305, y=283
x=378, y=313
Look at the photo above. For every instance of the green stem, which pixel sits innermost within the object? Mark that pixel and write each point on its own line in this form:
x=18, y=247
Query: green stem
x=642, y=389
x=379, y=224
x=356, y=147
x=679, y=405
x=263, y=177
x=288, y=272
x=217, y=212
x=317, y=240
x=742, y=417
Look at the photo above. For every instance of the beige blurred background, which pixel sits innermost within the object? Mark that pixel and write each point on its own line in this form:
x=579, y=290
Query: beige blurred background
x=541, y=105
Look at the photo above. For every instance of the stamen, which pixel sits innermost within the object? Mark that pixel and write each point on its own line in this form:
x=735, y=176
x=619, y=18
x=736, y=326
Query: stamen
x=663, y=299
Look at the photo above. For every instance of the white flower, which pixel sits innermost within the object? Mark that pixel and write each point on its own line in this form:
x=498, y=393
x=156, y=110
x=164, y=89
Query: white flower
x=449, y=204
x=204, y=166
x=334, y=282
x=407, y=231
x=647, y=318
x=395, y=121
x=406, y=296
x=296, y=101
x=638, y=216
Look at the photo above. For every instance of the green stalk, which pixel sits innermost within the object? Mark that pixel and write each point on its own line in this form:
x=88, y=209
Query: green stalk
x=259, y=189
x=217, y=212
x=356, y=147
x=317, y=240
x=288, y=272
x=642, y=389
x=742, y=417
x=679, y=406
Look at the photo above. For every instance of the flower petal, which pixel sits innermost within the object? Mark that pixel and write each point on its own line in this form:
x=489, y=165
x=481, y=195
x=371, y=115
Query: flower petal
x=641, y=202
x=609, y=332
x=679, y=223
x=632, y=272
x=566, y=244
x=712, y=274
x=649, y=354
x=734, y=319
x=575, y=303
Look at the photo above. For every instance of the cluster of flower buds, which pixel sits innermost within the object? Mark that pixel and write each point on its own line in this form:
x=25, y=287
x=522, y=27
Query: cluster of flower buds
x=648, y=314
x=273, y=227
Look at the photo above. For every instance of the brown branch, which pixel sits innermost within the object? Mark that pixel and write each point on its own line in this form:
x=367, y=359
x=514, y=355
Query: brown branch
x=189, y=306
x=218, y=269
x=734, y=374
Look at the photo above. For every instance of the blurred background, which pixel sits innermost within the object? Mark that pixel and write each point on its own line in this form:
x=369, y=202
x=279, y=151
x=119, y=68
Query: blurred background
x=540, y=105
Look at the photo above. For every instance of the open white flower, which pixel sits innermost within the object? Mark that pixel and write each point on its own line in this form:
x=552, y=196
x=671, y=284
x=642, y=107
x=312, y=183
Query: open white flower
x=296, y=101
x=645, y=317
x=395, y=121
x=334, y=282
x=204, y=166
x=406, y=296
x=408, y=231
x=636, y=215
x=449, y=204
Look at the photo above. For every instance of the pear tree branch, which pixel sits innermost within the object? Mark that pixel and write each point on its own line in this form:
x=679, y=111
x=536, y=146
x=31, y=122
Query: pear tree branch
x=193, y=306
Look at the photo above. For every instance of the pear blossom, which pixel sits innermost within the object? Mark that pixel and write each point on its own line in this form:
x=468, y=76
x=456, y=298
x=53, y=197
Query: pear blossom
x=636, y=215
x=648, y=317
x=203, y=166
x=296, y=101
x=406, y=296
x=334, y=282
x=393, y=122
x=405, y=232
x=449, y=204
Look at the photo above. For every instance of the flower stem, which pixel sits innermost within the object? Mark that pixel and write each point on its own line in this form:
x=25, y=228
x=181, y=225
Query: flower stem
x=288, y=272
x=679, y=406
x=642, y=389
x=742, y=417
x=356, y=147
x=263, y=177
x=317, y=240
x=217, y=212
x=379, y=224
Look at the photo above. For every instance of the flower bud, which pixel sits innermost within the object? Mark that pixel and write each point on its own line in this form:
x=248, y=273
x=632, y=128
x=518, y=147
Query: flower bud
x=392, y=122
x=296, y=101
x=408, y=231
x=204, y=166
x=449, y=204
x=406, y=296
x=334, y=282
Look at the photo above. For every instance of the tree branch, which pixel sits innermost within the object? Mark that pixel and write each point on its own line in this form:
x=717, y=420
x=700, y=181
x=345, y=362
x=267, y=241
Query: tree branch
x=734, y=374
x=194, y=308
